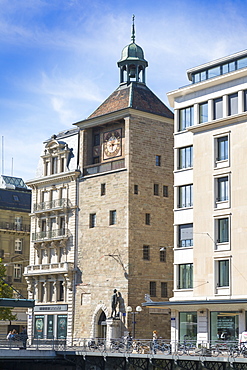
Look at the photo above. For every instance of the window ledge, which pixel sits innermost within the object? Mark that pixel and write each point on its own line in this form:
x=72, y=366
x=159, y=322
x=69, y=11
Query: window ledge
x=182, y=248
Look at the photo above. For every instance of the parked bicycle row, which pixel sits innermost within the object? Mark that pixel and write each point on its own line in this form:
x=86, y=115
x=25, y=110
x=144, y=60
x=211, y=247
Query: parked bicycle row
x=128, y=345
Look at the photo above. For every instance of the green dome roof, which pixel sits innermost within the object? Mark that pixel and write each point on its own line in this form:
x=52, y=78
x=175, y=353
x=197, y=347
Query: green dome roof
x=132, y=51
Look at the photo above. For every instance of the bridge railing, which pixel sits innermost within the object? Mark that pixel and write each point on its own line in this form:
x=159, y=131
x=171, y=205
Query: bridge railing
x=126, y=346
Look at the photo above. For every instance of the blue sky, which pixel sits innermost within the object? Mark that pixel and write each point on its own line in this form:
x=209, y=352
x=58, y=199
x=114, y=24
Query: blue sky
x=58, y=59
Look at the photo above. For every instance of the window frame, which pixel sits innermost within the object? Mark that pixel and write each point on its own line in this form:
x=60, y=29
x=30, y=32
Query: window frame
x=92, y=220
x=164, y=289
x=222, y=236
x=188, y=242
x=147, y=219
x=203, y=117
x=156, y=189
x=222, y=189
x=223, y=279
x=185, y=157
x=162, y=254
x=232, y=104
x=152, y=289
x=158, y=160
x=186, y=283
x=113, y=217
x=187, y=196
x=218, y=108
x=222, y=151
x=18, y=245
x=186, y=118
x=146, y=252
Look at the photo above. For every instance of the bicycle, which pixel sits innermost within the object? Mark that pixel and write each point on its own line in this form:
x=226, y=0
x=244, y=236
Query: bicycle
x=160, y=346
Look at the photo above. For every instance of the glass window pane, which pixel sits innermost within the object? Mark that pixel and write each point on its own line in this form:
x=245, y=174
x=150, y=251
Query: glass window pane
x=186, y=118
x=203, y=75
x=187, y=326
x=185, y=280
x=203, y=112
x=186, y=235
x=233, y=104
x=213, y=72
x=224, y=325
x=223, y=273
x=241, y=63
x=222, y=189
x=223, y=230
x=222, y=148
x=218, y=108
x=232, y=66
x=197, y=77
x=225, y=68
x=61, y=326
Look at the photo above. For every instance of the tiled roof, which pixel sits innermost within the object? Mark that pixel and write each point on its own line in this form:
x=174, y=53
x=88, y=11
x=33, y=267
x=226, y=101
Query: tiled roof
x=133, y=95
x=19, y=200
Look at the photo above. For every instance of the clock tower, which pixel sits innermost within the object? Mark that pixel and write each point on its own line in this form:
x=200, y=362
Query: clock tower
x=125, y=222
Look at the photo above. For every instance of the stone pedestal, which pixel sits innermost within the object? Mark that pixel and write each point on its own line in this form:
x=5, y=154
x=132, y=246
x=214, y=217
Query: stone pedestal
x=113, y=329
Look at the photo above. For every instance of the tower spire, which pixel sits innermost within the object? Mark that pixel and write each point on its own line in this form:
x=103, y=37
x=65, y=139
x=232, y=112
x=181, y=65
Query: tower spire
x=133, y=29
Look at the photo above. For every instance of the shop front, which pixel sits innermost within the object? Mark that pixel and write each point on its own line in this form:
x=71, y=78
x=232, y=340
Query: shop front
x=205, y=321
x=50, y=322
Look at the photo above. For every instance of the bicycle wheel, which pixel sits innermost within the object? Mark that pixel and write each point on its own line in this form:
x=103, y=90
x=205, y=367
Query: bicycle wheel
x=181, y=349
x=214, y=351
x=166, y=349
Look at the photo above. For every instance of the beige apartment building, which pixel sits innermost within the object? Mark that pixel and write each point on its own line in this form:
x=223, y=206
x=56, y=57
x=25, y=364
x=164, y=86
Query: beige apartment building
x=15, y=206
x=210, y=202
x=51, y=272
x=119, y=202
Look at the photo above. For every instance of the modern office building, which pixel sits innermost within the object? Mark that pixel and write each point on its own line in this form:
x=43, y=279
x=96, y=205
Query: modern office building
x=102, y=217
x=15, y=207
x=210, y=202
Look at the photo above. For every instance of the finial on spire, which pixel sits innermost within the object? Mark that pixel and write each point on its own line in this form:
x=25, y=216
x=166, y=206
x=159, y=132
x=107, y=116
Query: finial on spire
x=133, y=29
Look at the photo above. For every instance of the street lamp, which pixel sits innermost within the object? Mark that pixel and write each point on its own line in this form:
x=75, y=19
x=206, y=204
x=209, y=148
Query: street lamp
x=138, y=310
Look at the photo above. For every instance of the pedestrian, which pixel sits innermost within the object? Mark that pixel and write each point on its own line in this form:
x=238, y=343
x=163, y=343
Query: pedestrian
x=155, y=341
x=23, y=337
x=9, y=335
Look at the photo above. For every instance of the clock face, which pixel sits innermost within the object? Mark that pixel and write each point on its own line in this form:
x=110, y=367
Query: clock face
x=112, y=144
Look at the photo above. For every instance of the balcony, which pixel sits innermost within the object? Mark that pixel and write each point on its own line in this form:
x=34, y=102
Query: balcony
x=56, y=234
x=51, y=205
x=11, y=226
x=49, y=268
x=103, y=167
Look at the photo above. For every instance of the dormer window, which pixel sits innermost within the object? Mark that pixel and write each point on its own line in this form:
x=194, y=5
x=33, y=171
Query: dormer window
x=56, y=156
x=54, y=165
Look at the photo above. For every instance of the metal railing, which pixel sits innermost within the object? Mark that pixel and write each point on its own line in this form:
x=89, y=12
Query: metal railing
x=50, y=234
x=14, y=227
x=56, y=203
x=126, y=346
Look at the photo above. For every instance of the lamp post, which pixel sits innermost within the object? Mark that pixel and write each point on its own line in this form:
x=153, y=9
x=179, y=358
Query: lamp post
x=137, y=310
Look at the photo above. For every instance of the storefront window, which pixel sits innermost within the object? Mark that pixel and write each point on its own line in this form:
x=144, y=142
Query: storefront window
x=50, y=326
x=224, y=325
x=39, y=327
x=61, y=326
x=187, y=326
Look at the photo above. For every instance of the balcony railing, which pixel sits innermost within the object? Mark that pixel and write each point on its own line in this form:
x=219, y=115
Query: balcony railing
x=54, y=267
x=50, y=234
x=103, y=167
x=14, y=227
x=56, y=203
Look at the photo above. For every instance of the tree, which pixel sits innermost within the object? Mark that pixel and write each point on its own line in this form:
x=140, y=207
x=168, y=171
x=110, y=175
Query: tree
x=5, y=292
